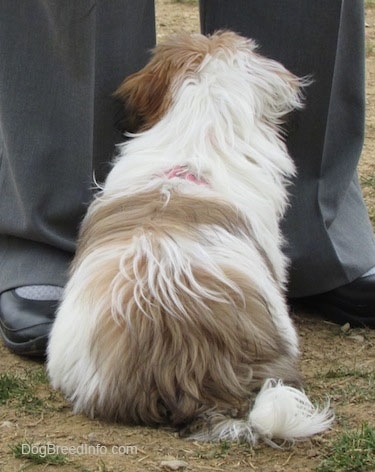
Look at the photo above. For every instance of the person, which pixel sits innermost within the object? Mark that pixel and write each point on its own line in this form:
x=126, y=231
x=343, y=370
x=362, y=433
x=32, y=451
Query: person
x=60, y=63
x=330, y=240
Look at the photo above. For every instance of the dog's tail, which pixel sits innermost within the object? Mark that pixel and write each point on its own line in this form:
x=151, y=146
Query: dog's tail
x=279, y=412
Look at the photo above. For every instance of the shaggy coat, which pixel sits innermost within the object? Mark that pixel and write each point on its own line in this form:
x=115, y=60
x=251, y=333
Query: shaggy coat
x=175, y=311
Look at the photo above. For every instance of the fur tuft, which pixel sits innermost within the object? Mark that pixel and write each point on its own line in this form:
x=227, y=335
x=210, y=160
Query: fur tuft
x=280, y=412
x=284, y=412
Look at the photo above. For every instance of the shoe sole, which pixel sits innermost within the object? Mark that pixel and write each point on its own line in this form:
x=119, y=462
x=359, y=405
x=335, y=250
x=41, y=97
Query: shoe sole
x=335, y=314
x=34, y=348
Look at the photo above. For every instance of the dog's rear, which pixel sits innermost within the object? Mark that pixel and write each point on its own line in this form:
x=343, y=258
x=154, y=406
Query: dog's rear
x=175, y=312
x=173, y=332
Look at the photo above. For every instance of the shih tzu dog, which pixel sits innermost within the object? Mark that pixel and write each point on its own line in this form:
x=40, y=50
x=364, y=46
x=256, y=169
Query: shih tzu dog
x=175, y=312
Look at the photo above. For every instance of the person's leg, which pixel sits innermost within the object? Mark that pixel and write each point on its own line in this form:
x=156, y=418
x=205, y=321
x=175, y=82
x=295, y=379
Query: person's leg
x=60, y=62
x=330, y=237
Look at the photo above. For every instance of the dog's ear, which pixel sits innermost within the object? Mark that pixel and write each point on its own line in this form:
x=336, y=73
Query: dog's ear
x=282, y=90
x=148, y=94
x=278, y=89
x=145, y=96
x=288, y=89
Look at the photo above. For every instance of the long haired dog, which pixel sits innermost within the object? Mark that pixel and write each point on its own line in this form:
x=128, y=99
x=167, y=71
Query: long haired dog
x=175, y=311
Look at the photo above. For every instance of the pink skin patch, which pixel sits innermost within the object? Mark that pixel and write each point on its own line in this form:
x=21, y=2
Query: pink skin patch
x=183, y=173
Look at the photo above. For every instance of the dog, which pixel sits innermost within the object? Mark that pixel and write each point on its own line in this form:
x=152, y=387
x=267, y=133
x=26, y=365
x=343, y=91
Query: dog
x=175, y=312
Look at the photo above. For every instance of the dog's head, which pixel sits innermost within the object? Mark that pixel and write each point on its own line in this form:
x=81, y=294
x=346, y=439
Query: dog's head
x=270, y=90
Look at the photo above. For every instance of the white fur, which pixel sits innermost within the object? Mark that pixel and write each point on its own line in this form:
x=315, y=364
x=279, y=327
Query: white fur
x=223, y=126
x=279, y=412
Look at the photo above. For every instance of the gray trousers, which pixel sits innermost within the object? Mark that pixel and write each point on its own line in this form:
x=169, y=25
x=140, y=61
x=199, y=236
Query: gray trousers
x=329, y=237
x=60, y=61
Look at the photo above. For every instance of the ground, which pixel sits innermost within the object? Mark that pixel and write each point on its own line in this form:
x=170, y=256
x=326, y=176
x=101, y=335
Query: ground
x=337, y=362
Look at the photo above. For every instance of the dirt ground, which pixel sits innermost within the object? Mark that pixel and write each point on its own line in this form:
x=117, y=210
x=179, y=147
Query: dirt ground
x=336, y=363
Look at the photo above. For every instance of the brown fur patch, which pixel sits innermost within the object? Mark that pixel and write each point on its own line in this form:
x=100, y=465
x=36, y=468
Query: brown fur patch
x=163, y=369
x=159, y=368
x=149, y=211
